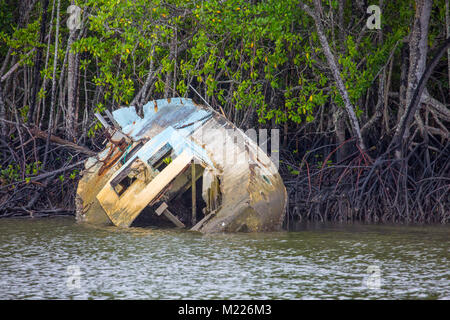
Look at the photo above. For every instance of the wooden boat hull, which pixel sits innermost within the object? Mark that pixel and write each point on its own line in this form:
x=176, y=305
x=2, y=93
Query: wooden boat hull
x=241, y=189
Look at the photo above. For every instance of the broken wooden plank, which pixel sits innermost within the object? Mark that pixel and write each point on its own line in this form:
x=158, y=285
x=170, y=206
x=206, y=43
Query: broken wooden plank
x=203, y=221
x=174, y=219
x=155, y=158
x=110, y=116
x=162, y=209
x=194, y=194
x=102, y=120
x=130, y=154
x=183, y=183
x=122, y=174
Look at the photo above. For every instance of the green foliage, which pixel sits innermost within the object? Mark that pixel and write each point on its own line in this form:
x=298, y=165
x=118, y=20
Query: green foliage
x=74, y=174
x=167, y=160
x=121, y=33
x=32, y=168
x=22, y=41
x=293, y=171
x=10, y=174
x=262, y=57
x=24, y=113
x=6, y=22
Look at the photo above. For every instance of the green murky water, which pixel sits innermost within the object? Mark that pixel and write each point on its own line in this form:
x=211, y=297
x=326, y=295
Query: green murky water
x=58, y=258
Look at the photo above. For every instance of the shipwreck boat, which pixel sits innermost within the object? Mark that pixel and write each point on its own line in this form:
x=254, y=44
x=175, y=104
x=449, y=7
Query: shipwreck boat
x=182, y=165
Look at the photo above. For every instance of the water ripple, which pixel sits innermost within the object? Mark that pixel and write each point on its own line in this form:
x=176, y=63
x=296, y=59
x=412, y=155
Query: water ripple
x=315, y=263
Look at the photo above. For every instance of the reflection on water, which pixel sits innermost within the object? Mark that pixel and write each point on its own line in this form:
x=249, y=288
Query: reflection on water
x=58, y=258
